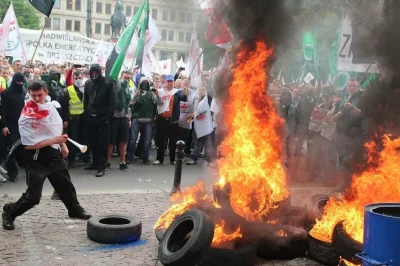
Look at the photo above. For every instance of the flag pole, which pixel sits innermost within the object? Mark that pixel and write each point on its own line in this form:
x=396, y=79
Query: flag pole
x=41, y=34
x=198, y=58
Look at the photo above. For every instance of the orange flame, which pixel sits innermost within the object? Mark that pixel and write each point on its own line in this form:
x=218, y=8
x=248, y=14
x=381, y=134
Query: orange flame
x=252, y=151
x=378, y=183
x=221, y=236
x=253, y=148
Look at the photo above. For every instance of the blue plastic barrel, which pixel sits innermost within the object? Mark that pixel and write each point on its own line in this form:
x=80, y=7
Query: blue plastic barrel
x=381, y=235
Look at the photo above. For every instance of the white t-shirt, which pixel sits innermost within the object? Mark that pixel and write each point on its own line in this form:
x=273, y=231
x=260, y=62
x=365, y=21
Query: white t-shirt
x=165, y=97
x=215, y=109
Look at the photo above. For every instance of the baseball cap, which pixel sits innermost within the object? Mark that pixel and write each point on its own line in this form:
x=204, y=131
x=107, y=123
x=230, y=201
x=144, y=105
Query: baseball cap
x=169, y=77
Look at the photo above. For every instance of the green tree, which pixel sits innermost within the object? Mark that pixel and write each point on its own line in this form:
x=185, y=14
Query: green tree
x=26, y=14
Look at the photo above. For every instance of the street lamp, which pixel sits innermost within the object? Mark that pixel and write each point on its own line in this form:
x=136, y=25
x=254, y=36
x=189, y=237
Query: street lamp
x=89, y=19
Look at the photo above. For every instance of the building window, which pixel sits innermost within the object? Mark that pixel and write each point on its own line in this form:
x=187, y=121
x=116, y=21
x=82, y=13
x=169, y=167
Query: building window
x=107, y=29
x=108, y=8
x=56, y=24
x=199, y=19
x=189, y=18
x=77, y=25
x=165, y=15
x=182, y=17
x=69, y=4
x=164, y=34
x=154, y=14
x=77, y=5
x=98, y=28
x=188, y=37
x=128, y=11
x=136, y=10
x=68, y=24
x=181, y=55
x=181, y=37
x=57, y=4
x=164, y=55
x=172, y=16
x=171, y=34
x=48, y=24
x=99, y=7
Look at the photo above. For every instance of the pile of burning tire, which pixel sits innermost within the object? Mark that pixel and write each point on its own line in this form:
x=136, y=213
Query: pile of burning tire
x=188, y=240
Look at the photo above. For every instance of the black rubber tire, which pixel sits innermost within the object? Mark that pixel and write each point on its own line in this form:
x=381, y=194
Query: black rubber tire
x=114, y=229
x=185, y=241
x=322, y=252
x=159, y=234
x=345, y=246
x=242, y=255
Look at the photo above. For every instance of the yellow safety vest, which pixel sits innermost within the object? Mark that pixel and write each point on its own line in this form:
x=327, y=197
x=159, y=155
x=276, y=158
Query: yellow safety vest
x=131, y=84
x=3, y=84
x=75, y=105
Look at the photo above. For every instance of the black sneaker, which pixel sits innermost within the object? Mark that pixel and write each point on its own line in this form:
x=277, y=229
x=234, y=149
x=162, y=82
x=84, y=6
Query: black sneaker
x=8, y=222
x=80, y=215
x=123, y=167
x=71, y=164
x=191, y=162
x=147, y=162
x=108, y=166
x=90, y=167
x=100, y=173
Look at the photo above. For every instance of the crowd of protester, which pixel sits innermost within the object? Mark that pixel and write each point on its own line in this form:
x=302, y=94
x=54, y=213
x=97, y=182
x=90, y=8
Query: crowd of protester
x=124, y=116
x=323, y=125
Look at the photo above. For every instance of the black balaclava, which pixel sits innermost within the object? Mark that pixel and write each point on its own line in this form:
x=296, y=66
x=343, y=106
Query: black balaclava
x=145, y=85
x=95, y=72
x=17, y=78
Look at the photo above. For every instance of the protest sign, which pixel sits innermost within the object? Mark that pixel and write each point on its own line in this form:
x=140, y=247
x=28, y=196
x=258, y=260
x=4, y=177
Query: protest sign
x=56, y=47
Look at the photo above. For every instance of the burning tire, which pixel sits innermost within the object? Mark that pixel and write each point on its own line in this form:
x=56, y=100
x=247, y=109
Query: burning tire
x=159, y=234
x=315, y=208
x=114, y=229
x=186, y=240
x=345, y=246
x=240, y=255
x=322, y=252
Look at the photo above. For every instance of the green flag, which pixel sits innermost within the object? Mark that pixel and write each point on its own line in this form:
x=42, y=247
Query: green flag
x=118, y=54
x=143, y=29
x=310, y=51
x=43, y=6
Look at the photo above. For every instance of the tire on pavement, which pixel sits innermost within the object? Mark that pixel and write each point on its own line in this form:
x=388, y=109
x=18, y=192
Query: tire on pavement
x=114, y=229
x=243, y=254
x=322, y=252
x=344, y=245
x=187, y=238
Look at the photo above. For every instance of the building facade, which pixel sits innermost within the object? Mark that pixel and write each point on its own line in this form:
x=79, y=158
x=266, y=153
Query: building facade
x=174, y=18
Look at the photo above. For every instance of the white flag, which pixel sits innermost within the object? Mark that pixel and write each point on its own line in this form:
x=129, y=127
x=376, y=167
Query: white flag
x=10, y=38
x=130, y=53
x=202, y=118
x=102, y=53
x=149, y=63
x=194, y=63
x=153, y=36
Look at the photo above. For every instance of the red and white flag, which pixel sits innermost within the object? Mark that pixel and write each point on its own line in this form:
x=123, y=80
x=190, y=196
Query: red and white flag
x=218, y=32
x=10, y=38
x=153, y=36
x=39, y=122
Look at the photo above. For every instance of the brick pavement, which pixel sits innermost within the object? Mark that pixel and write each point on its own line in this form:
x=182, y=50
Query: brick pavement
x=47, y=236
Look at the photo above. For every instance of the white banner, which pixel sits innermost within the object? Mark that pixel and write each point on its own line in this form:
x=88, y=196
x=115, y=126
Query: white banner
x=57, y=47
x=345, y=55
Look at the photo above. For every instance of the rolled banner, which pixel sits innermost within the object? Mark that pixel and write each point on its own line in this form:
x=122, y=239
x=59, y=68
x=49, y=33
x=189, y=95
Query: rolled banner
x=82, y=148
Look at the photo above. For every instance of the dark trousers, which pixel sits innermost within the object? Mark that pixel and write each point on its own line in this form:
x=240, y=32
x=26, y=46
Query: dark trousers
x=76, y=131
x=185, y=135
x=200, y=144
x=55, y=169
x=189, y=142
x=99, y=137
x=166, y=129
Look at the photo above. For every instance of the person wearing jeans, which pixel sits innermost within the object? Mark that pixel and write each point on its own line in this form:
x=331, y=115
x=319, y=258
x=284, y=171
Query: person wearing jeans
x=143, y=106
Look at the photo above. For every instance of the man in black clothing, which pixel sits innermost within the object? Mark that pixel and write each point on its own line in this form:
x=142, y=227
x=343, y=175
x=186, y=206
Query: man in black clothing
x=98, y=104
x=57, y=93
x=11, y=105
x=44, y=158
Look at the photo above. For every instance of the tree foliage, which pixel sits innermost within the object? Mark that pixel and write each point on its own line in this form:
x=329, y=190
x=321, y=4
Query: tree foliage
x=26, y=14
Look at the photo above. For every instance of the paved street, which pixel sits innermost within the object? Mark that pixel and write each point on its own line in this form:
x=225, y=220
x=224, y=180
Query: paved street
x=46, y=236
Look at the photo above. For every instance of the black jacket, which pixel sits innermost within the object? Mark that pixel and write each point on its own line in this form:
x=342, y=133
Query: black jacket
x=12, y=103
x=176, y=110
x=99, y=95
x=57, y=93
